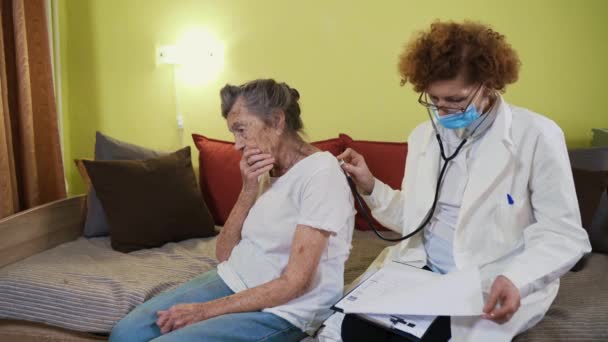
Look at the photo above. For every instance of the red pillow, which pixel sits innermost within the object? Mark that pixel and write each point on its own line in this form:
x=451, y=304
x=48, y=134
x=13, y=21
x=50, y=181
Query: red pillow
x=220, y=177
x=335, y=146
x=386, y=161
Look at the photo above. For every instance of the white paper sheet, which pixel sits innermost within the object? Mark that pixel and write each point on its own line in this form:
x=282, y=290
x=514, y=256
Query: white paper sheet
x=399, y=289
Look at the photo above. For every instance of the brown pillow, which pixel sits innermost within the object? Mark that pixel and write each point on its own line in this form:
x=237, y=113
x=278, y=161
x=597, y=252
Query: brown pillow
x=151, y=202
x=592, y=194
x=590, y=185
x=83, y=173
x=82, y=170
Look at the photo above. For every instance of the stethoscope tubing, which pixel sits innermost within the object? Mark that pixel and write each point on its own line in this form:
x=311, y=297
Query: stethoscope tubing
x=428, y=216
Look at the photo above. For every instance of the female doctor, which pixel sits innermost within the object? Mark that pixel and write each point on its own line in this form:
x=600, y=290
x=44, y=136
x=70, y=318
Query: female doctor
x=506, y=203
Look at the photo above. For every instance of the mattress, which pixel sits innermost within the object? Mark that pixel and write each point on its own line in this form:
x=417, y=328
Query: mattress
x=86, y=286
x=579, y=312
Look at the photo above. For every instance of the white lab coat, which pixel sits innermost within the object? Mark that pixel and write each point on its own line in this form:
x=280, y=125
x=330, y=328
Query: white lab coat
x=532, y=242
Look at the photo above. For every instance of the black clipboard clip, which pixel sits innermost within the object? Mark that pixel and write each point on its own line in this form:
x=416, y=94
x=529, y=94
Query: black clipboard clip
x=398, y=320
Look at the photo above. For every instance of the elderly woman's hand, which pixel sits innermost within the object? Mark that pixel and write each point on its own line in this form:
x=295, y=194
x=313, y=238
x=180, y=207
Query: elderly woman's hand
x=506, y=294
x=253, y=164
x=356, y=167
x=181, y=315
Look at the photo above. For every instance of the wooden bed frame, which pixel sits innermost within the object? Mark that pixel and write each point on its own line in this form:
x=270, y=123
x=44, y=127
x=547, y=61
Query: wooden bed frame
x=38, y=229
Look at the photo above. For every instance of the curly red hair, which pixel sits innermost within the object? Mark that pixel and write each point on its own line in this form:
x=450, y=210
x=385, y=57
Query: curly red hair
x=448, y=49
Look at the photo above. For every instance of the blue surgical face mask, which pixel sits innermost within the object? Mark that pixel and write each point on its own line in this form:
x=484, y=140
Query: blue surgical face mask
x=460, y=120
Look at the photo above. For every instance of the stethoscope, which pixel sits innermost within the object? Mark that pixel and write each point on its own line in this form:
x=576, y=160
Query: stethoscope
x=468, y=133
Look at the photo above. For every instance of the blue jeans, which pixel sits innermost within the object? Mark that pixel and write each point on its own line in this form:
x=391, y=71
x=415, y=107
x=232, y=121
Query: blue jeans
x=140, y=324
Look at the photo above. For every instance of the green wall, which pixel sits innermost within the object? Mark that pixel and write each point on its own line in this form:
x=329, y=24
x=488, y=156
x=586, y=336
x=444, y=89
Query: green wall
x=340, y=55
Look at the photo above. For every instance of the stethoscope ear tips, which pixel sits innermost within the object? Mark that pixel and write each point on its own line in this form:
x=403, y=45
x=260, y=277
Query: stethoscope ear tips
x=340, y=163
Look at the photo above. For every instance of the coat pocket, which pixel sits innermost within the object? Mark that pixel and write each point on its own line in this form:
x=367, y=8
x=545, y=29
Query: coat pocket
x=512, y=216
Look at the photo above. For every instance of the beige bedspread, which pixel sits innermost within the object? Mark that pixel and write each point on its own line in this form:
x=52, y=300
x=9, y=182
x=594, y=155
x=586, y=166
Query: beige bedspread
x=84, y=285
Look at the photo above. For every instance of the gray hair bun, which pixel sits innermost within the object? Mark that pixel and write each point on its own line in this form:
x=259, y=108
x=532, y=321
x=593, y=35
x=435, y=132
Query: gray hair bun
x=264, y=97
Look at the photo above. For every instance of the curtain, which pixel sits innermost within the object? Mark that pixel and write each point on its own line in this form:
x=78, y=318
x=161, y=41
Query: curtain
x=31, y=168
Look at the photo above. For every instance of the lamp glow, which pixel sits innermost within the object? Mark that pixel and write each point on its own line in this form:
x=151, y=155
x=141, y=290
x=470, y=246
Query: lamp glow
x=201, y=57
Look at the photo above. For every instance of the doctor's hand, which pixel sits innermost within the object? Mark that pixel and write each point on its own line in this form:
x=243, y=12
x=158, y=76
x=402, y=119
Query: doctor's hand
x=503, y=301
x=253, y=164
x=356, y=167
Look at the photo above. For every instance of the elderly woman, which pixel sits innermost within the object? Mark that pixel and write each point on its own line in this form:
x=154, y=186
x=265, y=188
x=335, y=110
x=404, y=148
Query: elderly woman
x=283, y=248
x=487, y=184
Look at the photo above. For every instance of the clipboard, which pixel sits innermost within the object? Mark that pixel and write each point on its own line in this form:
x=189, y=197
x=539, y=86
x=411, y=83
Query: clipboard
x=413, y=327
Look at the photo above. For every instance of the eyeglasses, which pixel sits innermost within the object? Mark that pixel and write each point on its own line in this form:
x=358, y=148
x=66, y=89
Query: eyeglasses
x=424, y=100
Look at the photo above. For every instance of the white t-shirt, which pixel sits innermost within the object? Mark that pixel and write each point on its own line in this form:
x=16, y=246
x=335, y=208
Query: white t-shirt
x=315, y=193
